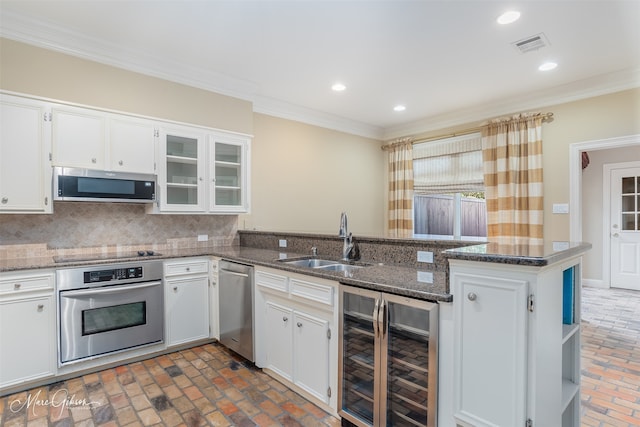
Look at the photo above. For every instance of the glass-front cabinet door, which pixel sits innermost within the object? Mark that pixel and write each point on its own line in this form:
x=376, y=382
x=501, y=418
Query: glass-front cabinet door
x=228, y=163
x=182, y=164
x=358, y=374
x=410, y=358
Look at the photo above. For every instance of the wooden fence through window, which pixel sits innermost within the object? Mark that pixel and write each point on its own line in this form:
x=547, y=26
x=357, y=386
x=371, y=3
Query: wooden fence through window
x=434, y=215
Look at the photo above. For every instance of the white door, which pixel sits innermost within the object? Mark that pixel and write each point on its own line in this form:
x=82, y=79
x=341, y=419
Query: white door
x=625, y=228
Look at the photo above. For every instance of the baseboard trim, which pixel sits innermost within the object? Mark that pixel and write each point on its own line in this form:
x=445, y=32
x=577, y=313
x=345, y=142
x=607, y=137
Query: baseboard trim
x=595, y=283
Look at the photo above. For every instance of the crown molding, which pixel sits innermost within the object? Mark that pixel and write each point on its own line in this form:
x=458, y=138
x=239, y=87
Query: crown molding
x=582, y=89
x=276, y=108
x=56, y=38
x=59, y=39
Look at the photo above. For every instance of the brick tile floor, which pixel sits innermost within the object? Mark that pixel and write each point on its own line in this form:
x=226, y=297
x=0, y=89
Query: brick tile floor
x=202, y=386
x=210, y=386
x=610, y=390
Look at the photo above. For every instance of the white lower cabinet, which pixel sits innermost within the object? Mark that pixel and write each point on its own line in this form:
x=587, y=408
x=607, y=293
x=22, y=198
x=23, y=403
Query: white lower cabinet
x=311, y=354
x=516, y=351
x=27, y=328
x=186, y=301
x=279, y=339
x=295, y=317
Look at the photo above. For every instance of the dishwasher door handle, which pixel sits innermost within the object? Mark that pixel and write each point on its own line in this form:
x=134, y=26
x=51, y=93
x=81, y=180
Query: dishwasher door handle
x=234, y=273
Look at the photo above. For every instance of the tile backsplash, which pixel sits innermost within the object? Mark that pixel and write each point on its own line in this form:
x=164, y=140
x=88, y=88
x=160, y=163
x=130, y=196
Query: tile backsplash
x=110, y=226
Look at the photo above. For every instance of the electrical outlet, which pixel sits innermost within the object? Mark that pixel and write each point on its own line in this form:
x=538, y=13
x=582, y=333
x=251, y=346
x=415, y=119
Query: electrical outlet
x=282, y=243
x=425, y=256
x=203, y=237
x=425, y=276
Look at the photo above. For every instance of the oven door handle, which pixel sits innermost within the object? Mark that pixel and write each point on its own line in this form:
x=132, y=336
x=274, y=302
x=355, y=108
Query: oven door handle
x=107, y=290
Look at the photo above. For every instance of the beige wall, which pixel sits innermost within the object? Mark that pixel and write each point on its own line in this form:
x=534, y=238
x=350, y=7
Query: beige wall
x=303, y=176
x=34, y=71
x=601, y=117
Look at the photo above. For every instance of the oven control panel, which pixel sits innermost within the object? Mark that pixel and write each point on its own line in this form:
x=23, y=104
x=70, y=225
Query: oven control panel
x=112, y=274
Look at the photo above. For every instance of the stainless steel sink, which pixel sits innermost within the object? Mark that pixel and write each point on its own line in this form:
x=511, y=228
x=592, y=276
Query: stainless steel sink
x=340, y=267
x=310, y=262
x=323, y=264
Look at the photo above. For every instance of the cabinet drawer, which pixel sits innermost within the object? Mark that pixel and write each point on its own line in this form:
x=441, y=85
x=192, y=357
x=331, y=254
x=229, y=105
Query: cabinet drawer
x=312, y=291
x=186, y=267
x=26, y=283
x=273, y=281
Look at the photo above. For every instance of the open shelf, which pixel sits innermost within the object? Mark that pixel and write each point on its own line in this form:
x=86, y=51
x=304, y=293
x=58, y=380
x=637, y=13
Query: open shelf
x=569, y=391
x=569, y=330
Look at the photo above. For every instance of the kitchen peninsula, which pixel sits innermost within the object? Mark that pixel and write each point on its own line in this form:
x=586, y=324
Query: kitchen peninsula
x=500, y=314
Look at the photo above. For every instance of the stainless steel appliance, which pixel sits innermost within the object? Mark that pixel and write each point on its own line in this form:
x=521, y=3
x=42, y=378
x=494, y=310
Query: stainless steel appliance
x=236, y=307
x=388, y=359
x=77, y=184
x=108, y=308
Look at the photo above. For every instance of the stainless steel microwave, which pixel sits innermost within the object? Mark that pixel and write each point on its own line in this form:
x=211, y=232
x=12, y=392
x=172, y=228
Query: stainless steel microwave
x=77, y=184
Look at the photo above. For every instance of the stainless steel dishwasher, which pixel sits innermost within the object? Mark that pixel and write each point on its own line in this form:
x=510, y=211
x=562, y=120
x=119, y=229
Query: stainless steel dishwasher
x=236, y=307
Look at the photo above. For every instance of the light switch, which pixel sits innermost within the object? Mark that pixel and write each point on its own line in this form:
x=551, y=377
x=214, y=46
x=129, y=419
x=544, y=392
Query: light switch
x=560, y=208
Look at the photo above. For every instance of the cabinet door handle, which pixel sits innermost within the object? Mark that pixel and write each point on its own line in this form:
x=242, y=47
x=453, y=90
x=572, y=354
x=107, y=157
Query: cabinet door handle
x=472, y=296
x=376, y=307
x=299, y=324
x=94, y=160
x=40, y=307
x=175, y=289
x=285, y=318
x=120, y=162
x=5, y=200
x=17, y=286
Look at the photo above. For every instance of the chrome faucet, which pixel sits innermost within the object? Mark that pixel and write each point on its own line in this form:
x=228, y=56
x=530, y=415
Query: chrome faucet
x=347, y=246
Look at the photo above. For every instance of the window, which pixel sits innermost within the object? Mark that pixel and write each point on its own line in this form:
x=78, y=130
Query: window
x=448, y=189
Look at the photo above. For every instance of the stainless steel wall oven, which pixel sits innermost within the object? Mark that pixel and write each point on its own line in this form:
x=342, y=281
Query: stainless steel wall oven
x=108, y=308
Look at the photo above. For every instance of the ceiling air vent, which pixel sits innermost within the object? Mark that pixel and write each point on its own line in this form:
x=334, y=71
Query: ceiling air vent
x=531, y=43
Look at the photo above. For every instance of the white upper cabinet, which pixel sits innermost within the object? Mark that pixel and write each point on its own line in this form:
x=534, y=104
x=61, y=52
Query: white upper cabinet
x=228, y=186
x=93, y=139
x=25, y=172
x=203, y=171
x=181, y=176
x=132, y=144
x=79, y=136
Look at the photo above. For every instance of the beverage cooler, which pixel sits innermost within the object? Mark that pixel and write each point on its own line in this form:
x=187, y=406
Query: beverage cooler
x=388, y=359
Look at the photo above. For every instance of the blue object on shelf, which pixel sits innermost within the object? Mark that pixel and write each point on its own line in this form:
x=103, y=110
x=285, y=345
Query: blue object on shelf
x=568, y=296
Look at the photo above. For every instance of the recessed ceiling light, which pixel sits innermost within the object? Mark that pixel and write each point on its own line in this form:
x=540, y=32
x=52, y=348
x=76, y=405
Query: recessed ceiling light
x=547, y=66
x=399, y=108
x=338, y=87
x=508, y=17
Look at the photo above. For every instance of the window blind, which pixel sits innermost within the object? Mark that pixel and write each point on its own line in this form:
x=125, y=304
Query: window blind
x=448, y=165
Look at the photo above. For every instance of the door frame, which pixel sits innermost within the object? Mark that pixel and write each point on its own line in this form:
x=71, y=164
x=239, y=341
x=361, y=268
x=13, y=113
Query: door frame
x=575, y=189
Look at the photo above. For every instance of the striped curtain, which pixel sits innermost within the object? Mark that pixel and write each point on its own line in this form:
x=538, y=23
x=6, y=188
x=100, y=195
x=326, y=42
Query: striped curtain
x=400, y=188
x=512, y=158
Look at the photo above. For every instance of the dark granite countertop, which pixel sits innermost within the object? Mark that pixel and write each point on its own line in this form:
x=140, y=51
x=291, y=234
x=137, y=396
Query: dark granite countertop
x=399, y=280
x=536, y=255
